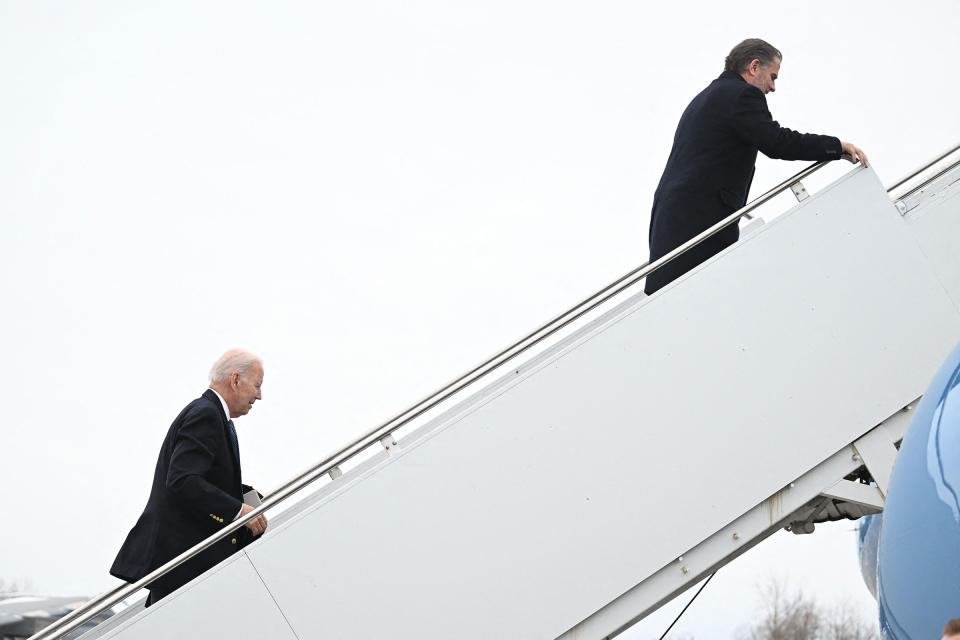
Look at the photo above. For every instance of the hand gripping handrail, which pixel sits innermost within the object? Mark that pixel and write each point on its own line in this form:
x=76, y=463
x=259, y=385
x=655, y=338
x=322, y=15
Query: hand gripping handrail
x=103, y=602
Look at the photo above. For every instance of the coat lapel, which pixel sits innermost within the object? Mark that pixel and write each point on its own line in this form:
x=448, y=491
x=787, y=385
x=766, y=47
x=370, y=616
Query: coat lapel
x=228, y=440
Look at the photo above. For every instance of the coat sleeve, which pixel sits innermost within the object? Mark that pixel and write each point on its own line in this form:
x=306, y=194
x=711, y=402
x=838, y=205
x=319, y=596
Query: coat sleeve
x=194, y=453
x=755, y=125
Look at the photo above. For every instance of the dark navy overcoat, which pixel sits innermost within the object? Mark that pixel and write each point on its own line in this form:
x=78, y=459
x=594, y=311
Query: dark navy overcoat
x=710, y=168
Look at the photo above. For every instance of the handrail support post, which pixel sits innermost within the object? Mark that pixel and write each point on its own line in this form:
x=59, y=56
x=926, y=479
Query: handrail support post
x=388, y=441
x=799, y=191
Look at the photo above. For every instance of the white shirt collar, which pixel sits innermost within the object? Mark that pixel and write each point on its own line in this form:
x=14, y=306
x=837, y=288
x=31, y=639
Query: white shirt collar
x=226, y=409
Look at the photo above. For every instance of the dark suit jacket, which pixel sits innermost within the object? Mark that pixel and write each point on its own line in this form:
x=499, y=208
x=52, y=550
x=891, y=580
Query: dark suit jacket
x=711, y=166
x=196, y=492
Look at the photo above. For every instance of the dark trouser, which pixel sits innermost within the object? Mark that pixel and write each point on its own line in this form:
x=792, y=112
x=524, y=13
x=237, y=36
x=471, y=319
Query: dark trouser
x=688, y=260
x=157, y=594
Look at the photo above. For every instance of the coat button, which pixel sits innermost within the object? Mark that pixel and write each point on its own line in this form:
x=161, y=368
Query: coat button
x=233, y=541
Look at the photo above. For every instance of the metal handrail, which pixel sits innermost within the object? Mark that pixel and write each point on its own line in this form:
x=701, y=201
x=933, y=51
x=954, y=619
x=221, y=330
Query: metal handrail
x=106, y=600
x=929, y=179
x=926, y=166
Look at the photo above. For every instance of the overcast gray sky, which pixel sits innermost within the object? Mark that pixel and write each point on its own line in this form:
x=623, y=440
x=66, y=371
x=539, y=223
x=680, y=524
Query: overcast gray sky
x=374, y=196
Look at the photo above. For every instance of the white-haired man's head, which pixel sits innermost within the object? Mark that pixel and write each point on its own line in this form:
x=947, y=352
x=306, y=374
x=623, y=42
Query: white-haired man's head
x=237, y=376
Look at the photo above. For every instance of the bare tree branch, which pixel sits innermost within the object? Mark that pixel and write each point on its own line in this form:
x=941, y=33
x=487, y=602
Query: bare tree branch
x=793, y=615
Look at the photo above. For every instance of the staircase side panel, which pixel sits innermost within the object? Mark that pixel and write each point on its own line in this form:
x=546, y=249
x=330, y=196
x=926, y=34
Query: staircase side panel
x=229, y=601
x=546, y=496
x=936, y=224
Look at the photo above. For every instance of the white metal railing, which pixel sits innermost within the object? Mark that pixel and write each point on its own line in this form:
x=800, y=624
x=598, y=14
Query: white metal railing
x=331, y=464
x=923, y=168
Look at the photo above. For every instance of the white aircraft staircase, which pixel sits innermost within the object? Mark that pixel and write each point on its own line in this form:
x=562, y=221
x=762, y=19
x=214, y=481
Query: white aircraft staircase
x=654, y=443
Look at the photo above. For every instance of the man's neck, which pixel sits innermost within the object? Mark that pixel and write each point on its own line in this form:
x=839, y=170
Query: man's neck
x=223, y=403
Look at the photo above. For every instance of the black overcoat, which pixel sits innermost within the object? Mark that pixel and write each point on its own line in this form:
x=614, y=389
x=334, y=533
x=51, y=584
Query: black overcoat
x=196, y=491
x=710, y=168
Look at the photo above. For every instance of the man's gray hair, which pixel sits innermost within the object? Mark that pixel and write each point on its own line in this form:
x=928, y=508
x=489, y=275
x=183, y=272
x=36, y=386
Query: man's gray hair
x=233, y=360
x=749, y=50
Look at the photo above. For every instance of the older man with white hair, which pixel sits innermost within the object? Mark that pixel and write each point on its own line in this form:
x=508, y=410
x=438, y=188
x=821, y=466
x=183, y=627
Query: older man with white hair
x=196, y=484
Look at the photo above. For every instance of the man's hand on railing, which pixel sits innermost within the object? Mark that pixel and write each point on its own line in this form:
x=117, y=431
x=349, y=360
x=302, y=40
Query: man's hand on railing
x=853, y=153
x=258, y=525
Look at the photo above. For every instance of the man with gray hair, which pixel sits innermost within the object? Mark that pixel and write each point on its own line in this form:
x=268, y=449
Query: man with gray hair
x=711, y=164
x=196, y=484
